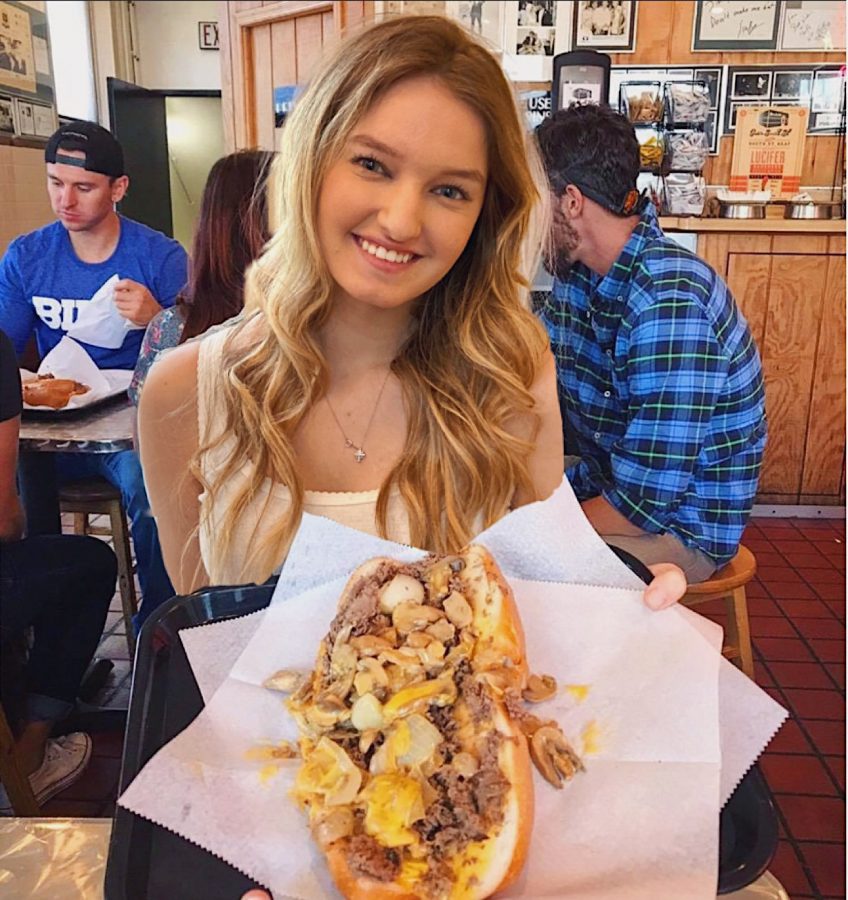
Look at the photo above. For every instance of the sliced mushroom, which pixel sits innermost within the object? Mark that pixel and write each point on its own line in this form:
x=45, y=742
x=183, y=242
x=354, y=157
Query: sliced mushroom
x=529, y=725
x=553, y=755
x=401, y=589
x=343, y=659
x=286, y=681
x=418, y=640
x=502, y=679
x=333, y=825
x=370, y=644
x=370, y=677
x=458, y=610
x=408, y=617
x=441, y=630
x=433, y=654
x=438, y=579
x=539, y=688
x=341, y=686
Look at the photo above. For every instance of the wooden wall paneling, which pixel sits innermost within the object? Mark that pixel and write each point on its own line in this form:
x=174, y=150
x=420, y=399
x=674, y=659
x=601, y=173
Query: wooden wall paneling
x=228, y=116
x=836, y=244
x=714, y=248
x=309, y=39
x=263, y=88
x=748, y=279
x=283, y=53
x=801, y=243
x=826, y=431
x=681, y=39
x=788, y=350
x=654, y=22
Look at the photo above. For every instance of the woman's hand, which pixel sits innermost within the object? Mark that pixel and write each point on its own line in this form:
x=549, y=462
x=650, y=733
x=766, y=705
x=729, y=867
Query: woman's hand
x=256, y=894
x=668, y=586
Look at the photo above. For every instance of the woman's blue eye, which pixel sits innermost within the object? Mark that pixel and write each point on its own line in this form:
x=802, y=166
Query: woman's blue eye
x=370, y=164
x=452, y=192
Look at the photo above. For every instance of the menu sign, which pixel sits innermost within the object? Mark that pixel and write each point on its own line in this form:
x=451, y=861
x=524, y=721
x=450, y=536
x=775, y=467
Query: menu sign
x=768, y=149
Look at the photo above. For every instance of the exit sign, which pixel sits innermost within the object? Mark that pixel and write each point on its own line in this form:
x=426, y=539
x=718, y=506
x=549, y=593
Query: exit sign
x=208, y=35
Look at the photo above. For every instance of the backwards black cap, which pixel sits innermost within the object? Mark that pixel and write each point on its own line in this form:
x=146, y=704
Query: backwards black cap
x=103, y=153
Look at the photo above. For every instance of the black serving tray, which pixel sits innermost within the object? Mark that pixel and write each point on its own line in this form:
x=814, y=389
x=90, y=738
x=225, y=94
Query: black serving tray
x=148, y=861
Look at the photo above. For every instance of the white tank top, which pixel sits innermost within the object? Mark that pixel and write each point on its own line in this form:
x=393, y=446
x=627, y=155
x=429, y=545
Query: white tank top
x=354, y=509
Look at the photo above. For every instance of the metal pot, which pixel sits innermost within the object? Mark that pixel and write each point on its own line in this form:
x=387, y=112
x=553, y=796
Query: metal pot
x=741, y=210
x=827, y=210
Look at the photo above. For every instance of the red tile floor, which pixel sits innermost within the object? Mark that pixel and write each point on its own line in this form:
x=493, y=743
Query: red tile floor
x=796, y=606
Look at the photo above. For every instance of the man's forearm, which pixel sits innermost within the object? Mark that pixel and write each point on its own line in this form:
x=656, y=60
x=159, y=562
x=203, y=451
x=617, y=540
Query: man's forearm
x=606, y=519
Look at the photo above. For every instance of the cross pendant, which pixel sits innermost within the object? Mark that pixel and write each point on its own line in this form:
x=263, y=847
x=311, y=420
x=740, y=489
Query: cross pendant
x=359, y=455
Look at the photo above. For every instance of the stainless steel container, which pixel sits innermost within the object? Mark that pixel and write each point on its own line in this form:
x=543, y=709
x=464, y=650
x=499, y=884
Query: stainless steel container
x=826, y=210
x=729, y=210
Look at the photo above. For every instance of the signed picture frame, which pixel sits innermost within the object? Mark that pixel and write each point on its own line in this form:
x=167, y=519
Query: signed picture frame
x=741, y=25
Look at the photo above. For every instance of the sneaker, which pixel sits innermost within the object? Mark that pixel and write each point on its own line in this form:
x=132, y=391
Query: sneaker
x=65, y=759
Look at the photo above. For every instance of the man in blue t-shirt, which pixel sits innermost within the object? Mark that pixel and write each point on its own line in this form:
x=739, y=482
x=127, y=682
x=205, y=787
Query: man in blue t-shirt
x=48, y=275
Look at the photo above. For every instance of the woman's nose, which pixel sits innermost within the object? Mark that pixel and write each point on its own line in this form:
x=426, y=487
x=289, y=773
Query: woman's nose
x=401, y=214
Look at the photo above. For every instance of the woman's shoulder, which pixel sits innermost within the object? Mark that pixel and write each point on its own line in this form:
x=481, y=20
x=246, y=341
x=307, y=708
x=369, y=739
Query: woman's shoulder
x=172, y=382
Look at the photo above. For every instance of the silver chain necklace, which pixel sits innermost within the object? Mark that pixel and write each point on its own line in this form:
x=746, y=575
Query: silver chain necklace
x=359, y=449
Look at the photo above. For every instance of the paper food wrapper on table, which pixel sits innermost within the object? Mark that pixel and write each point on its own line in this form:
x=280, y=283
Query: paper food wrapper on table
x=641, y=821
x=99, y=323
x=68, y=360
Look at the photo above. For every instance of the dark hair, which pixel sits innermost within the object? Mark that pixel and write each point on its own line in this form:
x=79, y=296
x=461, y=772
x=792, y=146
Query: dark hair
x=595, y=149
x=231, y=232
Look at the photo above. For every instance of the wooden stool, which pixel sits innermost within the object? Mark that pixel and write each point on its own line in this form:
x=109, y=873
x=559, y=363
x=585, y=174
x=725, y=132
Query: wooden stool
x=728, y=584
x=96, y=496
x=18, y=788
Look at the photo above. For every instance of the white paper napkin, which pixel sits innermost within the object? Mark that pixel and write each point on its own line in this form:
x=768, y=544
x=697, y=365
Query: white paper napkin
x=99, y=323
x=68, y=360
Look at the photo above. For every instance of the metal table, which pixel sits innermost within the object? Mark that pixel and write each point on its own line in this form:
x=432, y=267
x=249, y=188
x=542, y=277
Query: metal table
x=106, y=429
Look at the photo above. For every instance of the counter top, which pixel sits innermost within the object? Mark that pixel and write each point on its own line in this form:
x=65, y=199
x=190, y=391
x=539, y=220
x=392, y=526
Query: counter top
x=758, y=226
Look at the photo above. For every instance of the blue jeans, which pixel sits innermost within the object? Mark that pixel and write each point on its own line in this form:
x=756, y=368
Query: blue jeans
x=61, y=585
x=123, y=470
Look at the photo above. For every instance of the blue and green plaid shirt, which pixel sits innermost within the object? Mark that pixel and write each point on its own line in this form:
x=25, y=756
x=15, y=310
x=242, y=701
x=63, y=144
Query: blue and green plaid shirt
x=661, y=383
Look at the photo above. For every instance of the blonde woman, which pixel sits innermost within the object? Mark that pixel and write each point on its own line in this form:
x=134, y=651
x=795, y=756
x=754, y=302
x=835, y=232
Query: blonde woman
x=388, y=373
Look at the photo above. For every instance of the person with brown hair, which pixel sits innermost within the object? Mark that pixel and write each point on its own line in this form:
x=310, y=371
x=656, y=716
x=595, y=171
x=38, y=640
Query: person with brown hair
x=231, y=232
x=388, y=372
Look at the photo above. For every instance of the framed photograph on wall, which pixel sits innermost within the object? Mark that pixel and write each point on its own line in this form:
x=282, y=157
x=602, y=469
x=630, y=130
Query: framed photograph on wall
x=751, y=84
x=481, y=17
x=7, y=115
x=25, y=117
x=792, y=85
x=605, y=25
x=816, y=25
x=534, y=32
x=740, y=25
x=43, y=120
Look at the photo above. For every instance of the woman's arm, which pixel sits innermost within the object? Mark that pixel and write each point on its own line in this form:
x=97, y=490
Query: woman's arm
x=168, y=440
x=546, y=461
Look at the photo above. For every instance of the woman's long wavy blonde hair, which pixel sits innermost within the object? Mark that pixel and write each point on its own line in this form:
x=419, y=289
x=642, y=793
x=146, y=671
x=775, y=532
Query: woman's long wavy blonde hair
x=466, y=370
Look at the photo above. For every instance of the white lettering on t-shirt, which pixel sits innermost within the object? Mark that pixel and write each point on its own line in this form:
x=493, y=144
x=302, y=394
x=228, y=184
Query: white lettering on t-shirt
x=57, y=314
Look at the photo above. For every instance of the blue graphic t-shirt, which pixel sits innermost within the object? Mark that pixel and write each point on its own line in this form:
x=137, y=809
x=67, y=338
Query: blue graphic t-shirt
x=43, y=285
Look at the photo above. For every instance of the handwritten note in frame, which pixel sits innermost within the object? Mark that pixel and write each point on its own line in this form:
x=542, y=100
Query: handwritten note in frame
x=817, y=25
x=736, y=25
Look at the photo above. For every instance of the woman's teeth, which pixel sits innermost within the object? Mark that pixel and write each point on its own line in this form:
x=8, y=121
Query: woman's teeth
x=382, y=253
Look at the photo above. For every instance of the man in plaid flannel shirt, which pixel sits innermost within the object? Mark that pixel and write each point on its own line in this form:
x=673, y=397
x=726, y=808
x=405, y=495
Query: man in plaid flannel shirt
x=660, y=380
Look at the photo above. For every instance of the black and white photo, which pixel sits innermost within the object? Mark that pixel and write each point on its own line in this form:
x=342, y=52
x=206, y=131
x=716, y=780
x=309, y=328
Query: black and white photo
x=605, y=24
x=792, y=85
x=751, y=84
x=828, y=90
x=26, y=117
x=7, y=115
x=481, y=17
x=535, y=42
x=534, y=31
x=712, y=79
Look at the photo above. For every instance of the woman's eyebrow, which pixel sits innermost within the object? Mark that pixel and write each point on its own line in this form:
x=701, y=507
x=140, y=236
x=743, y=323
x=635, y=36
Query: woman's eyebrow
x=368, y=141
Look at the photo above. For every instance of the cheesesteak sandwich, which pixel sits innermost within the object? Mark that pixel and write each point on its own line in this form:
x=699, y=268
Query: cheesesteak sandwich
x=415, y=742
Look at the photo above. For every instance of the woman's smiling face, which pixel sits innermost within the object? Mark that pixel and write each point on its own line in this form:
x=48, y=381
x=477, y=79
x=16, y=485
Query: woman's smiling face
x=398, y=206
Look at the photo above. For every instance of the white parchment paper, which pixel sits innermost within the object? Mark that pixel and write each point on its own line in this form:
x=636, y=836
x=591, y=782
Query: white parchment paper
x=642, y=821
